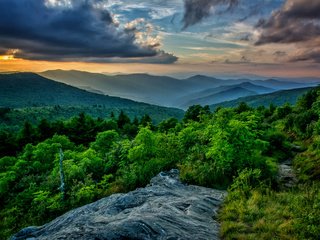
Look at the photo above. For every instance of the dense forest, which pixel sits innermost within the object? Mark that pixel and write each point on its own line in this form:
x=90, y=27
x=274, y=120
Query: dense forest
x=14, y=118
x=238, y=149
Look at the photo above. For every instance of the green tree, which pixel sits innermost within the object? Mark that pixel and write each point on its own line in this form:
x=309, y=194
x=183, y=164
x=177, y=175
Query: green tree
x=44, y=130
x=306, y=101
x=194, y=112
x=82, y=129
x=27, y=134
x=122, y=120
x=104, y=142
x=168, y=124
x=8, y=143
x=284, y=111
x=144, y=146
x=242, y=107
x=146, y=121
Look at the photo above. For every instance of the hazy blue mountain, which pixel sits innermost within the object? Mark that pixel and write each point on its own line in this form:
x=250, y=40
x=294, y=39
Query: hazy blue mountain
x=21, y=90
x=251, y=86
x=168, y=91
x=222, y=93
x=159, y=90
x=312, y=80
x=211, y=82
x=277, y=98
x=226, y=95
x=281, y=85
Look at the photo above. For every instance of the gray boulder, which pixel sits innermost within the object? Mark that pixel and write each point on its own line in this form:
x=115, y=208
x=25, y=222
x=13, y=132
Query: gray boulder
x=286, y=176
x=165, y=209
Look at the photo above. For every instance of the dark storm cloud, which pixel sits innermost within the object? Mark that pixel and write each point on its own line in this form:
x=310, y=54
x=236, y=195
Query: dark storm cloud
x=80, y=32
x=197, y=10
x=161, y=58
x=303, y=8
x=296, y=21
x=288, y=31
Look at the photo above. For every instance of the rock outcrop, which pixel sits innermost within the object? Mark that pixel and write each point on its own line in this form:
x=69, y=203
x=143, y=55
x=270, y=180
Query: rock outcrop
x=165, y=209
x=286, y=176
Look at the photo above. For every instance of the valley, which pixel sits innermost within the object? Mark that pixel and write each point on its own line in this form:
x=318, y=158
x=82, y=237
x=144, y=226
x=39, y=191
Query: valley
x=172, y=92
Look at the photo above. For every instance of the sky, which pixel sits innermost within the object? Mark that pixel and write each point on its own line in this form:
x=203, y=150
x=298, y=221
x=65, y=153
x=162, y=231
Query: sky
x=162, y=37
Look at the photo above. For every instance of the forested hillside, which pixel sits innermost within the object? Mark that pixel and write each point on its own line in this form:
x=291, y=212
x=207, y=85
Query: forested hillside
x=29, y=89
x=30, y=97
x=276, y=98
x=13, y=118
x=238, y=149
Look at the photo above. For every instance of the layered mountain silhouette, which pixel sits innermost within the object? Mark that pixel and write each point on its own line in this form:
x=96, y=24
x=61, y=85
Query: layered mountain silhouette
x=30, y=89
x=277, y=98
x=20, y=90
x=171, y=92
x=224, y=93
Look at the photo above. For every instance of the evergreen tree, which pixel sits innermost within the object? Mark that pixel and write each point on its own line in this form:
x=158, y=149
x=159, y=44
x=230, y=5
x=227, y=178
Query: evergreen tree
x=27, y=134
x=44, y=130
x=122, y=120
x=146, y=121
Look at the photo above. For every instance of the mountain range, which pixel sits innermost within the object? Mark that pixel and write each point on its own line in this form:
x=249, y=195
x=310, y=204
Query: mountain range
x=20, y=90
x=277, y=98
x=223, y=93
x=30, y=90
x=172, y=92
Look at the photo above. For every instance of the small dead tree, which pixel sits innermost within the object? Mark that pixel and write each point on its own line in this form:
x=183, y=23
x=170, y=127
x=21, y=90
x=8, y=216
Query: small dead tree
x=62, y=186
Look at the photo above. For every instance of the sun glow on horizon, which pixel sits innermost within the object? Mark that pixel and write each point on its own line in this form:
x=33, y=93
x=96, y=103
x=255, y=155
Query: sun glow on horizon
x=7, y=57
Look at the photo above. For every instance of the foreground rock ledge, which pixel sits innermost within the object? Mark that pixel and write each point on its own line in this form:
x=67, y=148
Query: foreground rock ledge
x=165, y=209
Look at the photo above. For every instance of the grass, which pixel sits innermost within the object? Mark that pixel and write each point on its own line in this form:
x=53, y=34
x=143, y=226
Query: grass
x=268, y=214
x=255, y=210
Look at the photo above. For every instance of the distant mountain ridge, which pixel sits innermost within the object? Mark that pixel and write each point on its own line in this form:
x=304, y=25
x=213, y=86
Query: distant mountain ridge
x=280, y=85
x=223, y=93
x=169, y=91
x=27, y=89
x=277, y=98
x=137, y=87
x=20, y=90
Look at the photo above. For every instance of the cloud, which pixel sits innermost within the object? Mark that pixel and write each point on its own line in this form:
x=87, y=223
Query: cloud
x=302, y=8
x=307, y=55
x=197, y=10
x=245, y=59
x=161, y=58
x=63, y=30
x=279, y=53
x=296, y=22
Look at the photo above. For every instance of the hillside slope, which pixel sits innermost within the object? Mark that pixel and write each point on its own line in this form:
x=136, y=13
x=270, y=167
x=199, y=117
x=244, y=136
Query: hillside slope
x=21, y=90
x=164, y=90
x=29, y=89
x=277, y=98
x=282, y=85
x=221, y=96
x=159, y=90
x=222, y=93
